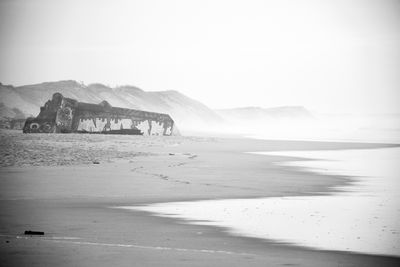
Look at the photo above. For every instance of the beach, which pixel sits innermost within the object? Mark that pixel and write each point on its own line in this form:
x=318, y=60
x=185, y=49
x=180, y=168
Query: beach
x=361, y=217
x=68, y=186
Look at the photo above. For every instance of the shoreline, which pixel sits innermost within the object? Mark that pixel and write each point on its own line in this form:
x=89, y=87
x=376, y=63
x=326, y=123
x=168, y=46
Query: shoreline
x=73, y=201
x=247, y=216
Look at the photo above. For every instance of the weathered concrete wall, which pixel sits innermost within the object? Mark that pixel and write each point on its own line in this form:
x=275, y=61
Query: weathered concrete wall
x=68, y=115
x=147, y=127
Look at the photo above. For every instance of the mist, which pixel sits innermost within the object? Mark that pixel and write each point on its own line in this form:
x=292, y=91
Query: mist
x=328, y=56
x=372, y=128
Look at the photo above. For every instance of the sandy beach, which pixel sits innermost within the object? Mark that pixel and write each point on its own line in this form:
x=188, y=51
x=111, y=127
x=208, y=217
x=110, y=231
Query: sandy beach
x=68, y=185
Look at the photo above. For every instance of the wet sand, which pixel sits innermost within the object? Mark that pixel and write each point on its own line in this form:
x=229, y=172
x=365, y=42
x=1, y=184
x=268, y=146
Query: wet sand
x=71, y=200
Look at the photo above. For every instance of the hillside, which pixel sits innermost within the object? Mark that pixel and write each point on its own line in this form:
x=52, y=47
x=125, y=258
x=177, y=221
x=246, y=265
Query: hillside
x=10, y=113
x=188, y=113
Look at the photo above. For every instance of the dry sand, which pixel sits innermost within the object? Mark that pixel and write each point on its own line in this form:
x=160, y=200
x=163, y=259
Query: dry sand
x=49, y=183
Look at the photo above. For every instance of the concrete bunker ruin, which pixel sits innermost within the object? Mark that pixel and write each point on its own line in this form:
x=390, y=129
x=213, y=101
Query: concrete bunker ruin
x=67, y=115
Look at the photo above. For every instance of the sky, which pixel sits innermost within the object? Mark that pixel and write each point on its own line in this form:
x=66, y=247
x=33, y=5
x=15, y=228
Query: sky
x=337, y=56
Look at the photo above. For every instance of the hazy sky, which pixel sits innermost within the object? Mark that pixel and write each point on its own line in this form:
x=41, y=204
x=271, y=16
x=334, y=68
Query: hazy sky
x=338, y=55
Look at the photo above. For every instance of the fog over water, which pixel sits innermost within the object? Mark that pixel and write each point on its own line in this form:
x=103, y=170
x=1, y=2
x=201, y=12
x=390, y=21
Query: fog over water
x=349, y=128
x=373, y=128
